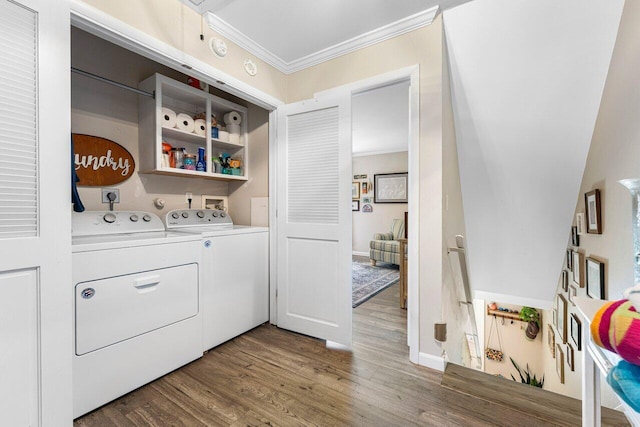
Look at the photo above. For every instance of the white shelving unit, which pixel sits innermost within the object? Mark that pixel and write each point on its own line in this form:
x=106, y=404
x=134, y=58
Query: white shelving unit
x=182, y=98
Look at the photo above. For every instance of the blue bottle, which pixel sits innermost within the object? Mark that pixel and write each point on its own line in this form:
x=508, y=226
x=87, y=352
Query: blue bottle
x=201, y=165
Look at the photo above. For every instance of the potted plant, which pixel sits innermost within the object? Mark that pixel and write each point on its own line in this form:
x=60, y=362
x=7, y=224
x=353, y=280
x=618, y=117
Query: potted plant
x=525, y=376
x=530, y=315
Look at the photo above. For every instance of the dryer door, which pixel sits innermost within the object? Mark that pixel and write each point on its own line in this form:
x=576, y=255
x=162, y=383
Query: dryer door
x=114, y=309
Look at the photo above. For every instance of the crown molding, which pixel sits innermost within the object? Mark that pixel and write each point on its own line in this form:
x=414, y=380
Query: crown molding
x=402, y=26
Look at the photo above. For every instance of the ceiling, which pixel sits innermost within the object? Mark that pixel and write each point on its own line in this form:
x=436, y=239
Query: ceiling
x=295, y=34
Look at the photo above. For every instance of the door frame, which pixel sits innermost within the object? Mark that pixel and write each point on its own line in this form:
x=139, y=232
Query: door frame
x=105, y=26
x=412, y=75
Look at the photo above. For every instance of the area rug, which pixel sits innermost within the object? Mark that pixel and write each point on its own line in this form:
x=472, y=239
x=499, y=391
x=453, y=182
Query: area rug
x=369, y=281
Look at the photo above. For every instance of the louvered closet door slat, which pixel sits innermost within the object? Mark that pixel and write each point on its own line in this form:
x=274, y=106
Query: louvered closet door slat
x=18, y=123
x=312, y=157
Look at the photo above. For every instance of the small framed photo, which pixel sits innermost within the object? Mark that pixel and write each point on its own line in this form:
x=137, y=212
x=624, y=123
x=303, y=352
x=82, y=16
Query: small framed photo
x=569, y=259
x=595, y=279
x=564, y=280
x=551, y=340
x=355, y=205
x=571, y=358
x=577, y=268
x=390, y=187
x=576, y=331
x=592, y=205
x=367, y=208
x=573, y=292
x=366, y=200
x=365, y=187
x=355, y=190
x=561, y=317
x=560, y=363
x=581, y=224
x=575, y=239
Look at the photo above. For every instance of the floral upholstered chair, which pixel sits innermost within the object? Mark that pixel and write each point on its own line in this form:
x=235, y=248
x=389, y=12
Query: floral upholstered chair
x=385, y=246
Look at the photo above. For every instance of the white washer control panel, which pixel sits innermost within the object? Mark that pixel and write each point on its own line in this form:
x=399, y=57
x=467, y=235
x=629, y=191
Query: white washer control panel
x=198, y=217
x=95, y=223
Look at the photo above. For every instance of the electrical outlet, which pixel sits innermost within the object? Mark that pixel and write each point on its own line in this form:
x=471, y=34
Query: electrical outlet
x=105, y=198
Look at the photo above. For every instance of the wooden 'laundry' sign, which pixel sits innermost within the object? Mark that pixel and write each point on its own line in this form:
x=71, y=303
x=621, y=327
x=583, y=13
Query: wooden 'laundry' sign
x=100, y=161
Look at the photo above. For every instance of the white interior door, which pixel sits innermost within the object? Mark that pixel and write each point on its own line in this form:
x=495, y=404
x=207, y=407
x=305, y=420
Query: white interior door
x=314, y=218
x=35, y=217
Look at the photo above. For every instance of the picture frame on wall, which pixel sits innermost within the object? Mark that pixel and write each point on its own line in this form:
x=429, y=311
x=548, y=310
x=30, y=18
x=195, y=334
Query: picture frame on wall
x=551, y=340
x=595, y=278
x=564, y=280
x=571, y=358
x=573, y=292
x=581, y=224
x=355, y=190
x=560, y=363
x=593, y=211
x=390, y=187
x=364, y=187
x=355, y=205
x=569, y=259
x=561, y=317
x=576, y=331
x=577, y=268
x=575, y=239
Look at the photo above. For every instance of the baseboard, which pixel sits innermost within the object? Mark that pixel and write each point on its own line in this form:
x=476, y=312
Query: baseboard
x=431, y=361
x=360, y=253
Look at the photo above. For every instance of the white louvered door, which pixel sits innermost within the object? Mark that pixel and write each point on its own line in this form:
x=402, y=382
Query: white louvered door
x=35, y=218
x=314, y=219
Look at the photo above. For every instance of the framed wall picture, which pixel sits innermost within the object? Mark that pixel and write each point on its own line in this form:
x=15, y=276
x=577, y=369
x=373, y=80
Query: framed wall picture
x=571, y=358
x=551, y=340
x=576, y=263
x=576, y=331
x=592, y=205
x=355, y=190
x=390, y=187
x=573, y=292
x=595, y=279
x=365, y=187
x=575, y=239
x=560, y=363
x=561, y=326
x=569, y=259
x=355, y=205
x=581, y=224
x=367, y=200
x=564, y=280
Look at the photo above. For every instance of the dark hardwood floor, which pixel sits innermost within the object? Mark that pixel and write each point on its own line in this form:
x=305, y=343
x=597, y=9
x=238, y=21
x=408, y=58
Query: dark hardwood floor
x=271, y=377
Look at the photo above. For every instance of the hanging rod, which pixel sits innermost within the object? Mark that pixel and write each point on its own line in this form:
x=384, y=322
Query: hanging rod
x=111, y=82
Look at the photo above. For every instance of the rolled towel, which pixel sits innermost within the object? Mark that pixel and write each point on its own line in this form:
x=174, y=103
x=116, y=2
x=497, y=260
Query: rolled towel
x=168, y=117
x=200, y=127
x=185, y=123
x=232, y=117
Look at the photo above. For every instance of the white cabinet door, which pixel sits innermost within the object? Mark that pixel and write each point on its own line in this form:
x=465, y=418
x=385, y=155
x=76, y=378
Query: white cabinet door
x=35, y=217
x=314, y=218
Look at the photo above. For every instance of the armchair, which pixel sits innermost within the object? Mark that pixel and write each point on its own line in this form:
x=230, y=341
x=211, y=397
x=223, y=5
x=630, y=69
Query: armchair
x=385, y=246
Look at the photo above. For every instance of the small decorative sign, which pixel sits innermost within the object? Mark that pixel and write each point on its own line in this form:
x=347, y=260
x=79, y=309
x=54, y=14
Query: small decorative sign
x=360, y=176
x=101, y=162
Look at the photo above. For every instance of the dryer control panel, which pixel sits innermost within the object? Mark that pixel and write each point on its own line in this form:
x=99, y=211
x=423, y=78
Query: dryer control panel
x=198, y=217
x=96, y=223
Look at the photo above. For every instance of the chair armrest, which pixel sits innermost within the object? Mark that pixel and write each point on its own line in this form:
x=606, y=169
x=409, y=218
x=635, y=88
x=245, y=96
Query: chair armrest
x=383, y=236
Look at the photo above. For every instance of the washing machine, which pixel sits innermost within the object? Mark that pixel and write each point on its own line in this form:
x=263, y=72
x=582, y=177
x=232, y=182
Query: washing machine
x=137, y=313
x=235, y=279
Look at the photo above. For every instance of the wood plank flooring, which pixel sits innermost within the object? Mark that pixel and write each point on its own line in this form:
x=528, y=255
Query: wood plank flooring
x=271, y=377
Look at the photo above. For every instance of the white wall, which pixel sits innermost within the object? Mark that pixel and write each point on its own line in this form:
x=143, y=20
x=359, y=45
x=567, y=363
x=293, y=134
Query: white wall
x=527, y=77
x=378, y=221
x=614, y=154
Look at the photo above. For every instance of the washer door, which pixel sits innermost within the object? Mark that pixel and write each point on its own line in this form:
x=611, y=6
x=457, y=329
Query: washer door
x=114, y=309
